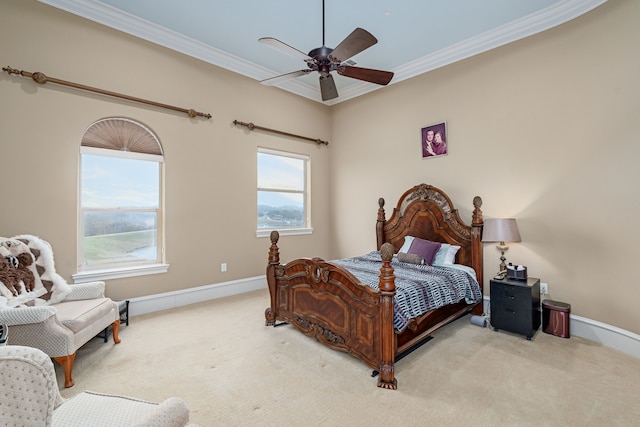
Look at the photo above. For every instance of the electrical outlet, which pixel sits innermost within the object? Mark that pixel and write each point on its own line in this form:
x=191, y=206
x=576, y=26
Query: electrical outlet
x=223, y=267
x=544, y=288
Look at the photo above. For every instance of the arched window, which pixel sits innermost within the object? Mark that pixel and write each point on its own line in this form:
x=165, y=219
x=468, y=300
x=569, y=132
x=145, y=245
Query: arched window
x=121, y=198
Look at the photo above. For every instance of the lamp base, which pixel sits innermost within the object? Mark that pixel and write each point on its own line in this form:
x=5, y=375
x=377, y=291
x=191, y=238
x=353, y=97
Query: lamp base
x=503, y=266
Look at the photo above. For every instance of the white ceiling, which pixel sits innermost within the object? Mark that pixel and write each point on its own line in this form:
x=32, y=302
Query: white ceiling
x=414, y=36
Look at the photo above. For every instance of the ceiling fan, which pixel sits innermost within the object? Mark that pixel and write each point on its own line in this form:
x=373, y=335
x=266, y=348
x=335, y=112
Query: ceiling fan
x=324, y=60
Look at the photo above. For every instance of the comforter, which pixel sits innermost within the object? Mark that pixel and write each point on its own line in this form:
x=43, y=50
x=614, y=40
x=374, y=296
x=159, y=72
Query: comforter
x=419, y=288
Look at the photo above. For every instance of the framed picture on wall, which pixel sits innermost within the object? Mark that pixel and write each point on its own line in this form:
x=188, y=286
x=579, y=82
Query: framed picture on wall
x=434, y=140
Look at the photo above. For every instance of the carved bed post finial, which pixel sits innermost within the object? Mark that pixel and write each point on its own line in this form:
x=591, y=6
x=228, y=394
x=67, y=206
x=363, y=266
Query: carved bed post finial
x=387, y=278
x=387, y=286
x=271, y=312
x=274, y=252
x=381, y=221
x=477, y=212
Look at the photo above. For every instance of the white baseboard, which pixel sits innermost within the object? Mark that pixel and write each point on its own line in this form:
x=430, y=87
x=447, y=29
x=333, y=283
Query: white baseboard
x=593, y=330
x=167, y=300
x=611, y=336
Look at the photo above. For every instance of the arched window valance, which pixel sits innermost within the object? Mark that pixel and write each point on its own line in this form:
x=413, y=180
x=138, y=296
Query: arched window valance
x=122, y=134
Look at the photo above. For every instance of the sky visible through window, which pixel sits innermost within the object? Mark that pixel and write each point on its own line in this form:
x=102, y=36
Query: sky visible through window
x=282, y=173
x=111, y=182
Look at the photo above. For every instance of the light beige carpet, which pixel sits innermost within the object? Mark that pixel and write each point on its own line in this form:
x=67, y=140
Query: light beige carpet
x=233, y=371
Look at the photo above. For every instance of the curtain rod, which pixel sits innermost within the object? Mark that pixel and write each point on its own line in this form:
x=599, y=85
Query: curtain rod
x=41, y=78
x=251, y=126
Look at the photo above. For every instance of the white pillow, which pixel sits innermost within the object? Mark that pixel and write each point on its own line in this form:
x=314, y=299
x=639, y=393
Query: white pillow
x=450, y=258
x=408, y=240
x=441, y=254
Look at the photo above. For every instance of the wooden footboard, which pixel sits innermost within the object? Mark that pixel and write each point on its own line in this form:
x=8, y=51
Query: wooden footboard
x=328, y=303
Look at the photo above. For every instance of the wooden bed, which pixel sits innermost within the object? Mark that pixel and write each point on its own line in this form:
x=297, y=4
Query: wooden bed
x=328, y=303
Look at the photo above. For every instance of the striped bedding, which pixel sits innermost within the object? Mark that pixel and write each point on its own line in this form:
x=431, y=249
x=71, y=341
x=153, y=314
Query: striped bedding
x=419, y=288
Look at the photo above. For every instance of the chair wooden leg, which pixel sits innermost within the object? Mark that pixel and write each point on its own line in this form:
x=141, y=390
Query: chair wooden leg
x=116, y=328
x=67, y=364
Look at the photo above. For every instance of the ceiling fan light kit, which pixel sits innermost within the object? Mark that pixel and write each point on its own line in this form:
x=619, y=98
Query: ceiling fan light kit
x=324, y=60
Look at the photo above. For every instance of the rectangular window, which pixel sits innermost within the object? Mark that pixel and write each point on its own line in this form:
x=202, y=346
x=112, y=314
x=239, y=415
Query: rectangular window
x=120, y=209
x=283, y=192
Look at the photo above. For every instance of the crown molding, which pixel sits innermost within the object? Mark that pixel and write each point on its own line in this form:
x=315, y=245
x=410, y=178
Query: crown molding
x=552, y=16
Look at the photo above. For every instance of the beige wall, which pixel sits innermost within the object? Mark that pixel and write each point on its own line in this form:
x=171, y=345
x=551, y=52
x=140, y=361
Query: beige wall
x=210, y=164
x=544, y=130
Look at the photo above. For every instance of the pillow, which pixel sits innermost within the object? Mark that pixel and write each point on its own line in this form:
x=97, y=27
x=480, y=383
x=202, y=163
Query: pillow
x=424, y=248
x=450, y=258
x=410, y=258
x=408, y=240
x=441, y=254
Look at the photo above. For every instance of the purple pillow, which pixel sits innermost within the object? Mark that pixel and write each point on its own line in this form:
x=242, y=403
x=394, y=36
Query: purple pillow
x=424, y=248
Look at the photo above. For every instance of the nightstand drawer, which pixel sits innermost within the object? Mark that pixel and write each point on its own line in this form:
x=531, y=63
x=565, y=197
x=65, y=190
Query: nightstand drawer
x=511, y=319
x=511, y=296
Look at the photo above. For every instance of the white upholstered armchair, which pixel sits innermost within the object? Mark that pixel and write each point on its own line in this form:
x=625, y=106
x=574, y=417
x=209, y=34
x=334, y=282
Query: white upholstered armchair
x=48, y=313
x=29, y=396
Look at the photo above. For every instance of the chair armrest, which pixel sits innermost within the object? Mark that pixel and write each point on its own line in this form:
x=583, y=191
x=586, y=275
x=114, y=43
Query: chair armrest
x=26, y=315
x=172, y=412
x=88, y=290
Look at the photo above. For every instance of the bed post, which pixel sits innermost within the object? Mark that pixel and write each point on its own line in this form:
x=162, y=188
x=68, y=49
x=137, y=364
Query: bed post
x=476, y=249
x=387, y=287
x=380, y=223
x=274, y=260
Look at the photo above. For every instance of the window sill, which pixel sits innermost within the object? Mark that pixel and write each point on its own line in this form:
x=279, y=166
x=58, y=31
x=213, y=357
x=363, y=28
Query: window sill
x=284, y=232
x=119, y=273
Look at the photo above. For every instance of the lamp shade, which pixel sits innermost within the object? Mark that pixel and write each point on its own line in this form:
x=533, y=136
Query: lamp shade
x=500, y=230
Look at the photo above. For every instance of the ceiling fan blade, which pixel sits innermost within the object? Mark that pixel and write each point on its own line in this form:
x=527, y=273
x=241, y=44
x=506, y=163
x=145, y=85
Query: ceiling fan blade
x=283, y=47
x=284, y=77
x=328, y=88
x=355, y=43
x=367, y=74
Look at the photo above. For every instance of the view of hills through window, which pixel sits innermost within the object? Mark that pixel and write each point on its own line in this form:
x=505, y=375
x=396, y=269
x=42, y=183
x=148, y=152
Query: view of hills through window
x=277, y=210
x=120, y=201
x=281, y=191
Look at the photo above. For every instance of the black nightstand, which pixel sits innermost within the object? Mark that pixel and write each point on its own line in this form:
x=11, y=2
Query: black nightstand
x=515, y=305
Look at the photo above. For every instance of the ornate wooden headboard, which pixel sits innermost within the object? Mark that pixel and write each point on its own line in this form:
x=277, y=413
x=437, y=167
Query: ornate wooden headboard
x=427, y=212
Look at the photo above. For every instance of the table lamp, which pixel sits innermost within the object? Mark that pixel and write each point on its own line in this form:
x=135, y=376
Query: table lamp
x=501, y=230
